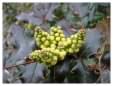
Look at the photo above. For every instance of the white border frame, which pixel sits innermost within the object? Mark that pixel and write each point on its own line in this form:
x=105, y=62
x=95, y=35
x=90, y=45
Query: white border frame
x=71, y=1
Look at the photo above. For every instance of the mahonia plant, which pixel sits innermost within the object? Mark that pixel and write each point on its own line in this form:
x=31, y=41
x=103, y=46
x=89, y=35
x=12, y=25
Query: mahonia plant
x=54, y=45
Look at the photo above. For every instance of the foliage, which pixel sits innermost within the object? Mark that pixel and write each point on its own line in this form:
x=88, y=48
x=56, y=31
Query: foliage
x=90, y=65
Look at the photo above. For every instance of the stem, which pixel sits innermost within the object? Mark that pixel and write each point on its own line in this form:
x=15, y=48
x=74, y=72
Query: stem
x=29, y=62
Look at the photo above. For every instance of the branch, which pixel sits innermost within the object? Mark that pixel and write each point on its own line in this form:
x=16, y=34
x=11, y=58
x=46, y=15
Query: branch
x=27, y=62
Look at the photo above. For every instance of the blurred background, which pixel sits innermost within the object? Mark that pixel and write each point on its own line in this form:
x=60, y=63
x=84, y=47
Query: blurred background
x=90, y=65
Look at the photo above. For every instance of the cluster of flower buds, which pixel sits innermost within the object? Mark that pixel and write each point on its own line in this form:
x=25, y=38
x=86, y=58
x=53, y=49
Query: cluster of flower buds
x=54, y=45
x=48, y=56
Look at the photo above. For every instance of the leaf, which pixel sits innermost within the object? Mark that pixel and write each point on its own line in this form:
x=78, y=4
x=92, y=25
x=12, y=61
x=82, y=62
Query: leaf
x=72, y=18
x=7, y=76
x=93, y=38
x=79, y=8
x=92, y=9
x=11, y=76
x=80, y=74
x=29, y=18
x=89, y=61
x=40, y=9
x=61, y=70
x=44, y=11
x=104, y=77
x=106, y=59
x=78, y=66
x=24, y=44
x=66, y=26
x=34, y=73
x=49, y=15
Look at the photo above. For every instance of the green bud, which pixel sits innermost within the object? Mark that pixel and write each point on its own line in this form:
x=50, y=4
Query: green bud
x=76, y=50
x=51, y=33
x=42, y=46
x=74, y=41
x=55, y=58
x=45, y=33
x=56, y=51
x=66, y=44
x=63, y=39
x=54, y=29
x=48, y=60
x=39, y=36
x=54, y=61
x=62, y=35
x=54, y=42
x=57, y=38
x=60, y=43
x=46, y=43
x=43, y=39
x=56, y=34
x=80, y=42
x=75, y=36
x=52, y=38
x=73, y=46
x=68, y=40
x=78, y=45
x=70, y=50
x=53, y=46
x=72, y=36
x=29, y=26
x=62, y=55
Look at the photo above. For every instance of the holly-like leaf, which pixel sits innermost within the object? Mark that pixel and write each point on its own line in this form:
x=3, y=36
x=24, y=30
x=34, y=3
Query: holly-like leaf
x=93, y=38
x=24, y=45
x=28, y=17
x=34, y=73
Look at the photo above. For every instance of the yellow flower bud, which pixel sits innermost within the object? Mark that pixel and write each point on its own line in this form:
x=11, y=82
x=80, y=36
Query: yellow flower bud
x=76, y=50
x=62, y=35
x=56, y=34
x=43, y=39
x=63, y=39
x=46, y=43
x=51, y=38
x=68, y=40
x=74, y=41
x=57, y=38
x=70, y=50
x=62, y=55
x=53, y=46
